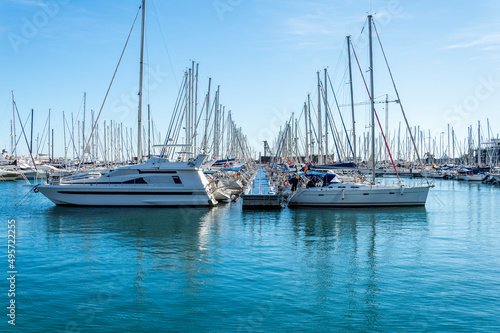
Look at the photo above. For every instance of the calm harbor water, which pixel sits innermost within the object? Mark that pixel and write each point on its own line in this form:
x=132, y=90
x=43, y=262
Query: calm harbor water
x=224, y=269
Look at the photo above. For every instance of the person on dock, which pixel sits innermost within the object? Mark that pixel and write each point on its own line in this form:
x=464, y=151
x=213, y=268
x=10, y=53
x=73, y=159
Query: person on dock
x=294, y=181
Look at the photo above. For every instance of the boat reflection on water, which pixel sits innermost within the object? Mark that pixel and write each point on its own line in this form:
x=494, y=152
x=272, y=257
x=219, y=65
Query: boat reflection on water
x=288, y=261
x=157, y=225
x=337, y=258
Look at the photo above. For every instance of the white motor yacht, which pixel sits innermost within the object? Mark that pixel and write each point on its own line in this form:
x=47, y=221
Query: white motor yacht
x=158, y=182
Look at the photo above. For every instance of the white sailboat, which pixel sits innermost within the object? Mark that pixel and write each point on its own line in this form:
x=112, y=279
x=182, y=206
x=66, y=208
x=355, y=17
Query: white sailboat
x=351, y=194
x=158, y=182
x=475, y=177
x=6, y=175
x=344, y=194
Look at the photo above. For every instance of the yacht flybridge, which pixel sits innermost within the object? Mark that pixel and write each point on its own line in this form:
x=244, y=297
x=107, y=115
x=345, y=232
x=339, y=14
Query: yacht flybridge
x=158, y=182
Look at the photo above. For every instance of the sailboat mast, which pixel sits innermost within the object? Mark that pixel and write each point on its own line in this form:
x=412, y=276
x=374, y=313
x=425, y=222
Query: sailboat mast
x=84, y=148
x=65, y=146
x=352, y=97
x=372, y=104
x=14, y=125
x=48, y=141
x=320, y=134
x=478, y=143
x=205, y=137
x=306, y=118
x=195, y=130
x=31, y=140
x=11, y=138
x=310, y=126
x=325, y=100
x=141, y=71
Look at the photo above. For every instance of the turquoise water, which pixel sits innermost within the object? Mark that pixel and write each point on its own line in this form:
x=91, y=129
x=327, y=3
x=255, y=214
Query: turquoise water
x=426, y=269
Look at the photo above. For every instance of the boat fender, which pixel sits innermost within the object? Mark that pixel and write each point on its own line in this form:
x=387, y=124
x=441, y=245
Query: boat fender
x=343, y=194
x=402, y=190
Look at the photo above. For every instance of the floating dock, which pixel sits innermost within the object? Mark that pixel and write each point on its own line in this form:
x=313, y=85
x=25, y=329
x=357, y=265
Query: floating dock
x=260, y=194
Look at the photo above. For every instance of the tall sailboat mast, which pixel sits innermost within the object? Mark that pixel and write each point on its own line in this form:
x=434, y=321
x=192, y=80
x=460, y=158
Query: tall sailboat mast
x=320, y=135
x=372, y=104
x=141, y=71
x=352, y=98
x=14, y=151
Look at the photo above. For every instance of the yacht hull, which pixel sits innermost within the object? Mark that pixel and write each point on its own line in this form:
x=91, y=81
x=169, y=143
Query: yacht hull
x=360, y=196
x=109, y=196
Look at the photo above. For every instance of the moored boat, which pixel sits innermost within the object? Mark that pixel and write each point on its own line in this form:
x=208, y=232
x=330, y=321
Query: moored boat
x=158, y=182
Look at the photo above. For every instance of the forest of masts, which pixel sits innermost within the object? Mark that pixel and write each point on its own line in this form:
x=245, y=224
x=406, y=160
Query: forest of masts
x=320, y=134
x=193, y=128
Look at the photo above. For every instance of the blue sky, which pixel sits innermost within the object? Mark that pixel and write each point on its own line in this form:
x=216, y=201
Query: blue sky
x=264, y=54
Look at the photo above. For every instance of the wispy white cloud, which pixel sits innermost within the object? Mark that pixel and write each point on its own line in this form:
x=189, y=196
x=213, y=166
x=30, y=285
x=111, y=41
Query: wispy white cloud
x=488, y=41
x=308, y=25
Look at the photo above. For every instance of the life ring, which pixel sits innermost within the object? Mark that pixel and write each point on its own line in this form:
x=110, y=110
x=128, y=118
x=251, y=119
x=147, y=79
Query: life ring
x=289, y=162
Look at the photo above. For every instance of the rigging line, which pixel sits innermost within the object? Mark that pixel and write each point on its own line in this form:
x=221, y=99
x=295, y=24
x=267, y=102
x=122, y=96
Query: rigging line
x=73, y=142
x=341, y=118
x=110, y=84
x=401, y=104
x=177, y=125
x=76, y=118
x=178, y=101
x=177, y=130
x=281, y=141
x=26, y=196
x=333, y=127
x=25, y=122
x=199, y=117
x=301, y=139
x=314, y=130
x=43, y=137
x=280, y=144
x=361, y=33
x=299, y=118
x=312, y=123
x=25, y=138
x=209, y=134
x=340, y=58
x=343, y=80
x=126, y=148
x=165, y=44
x=375, y=112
